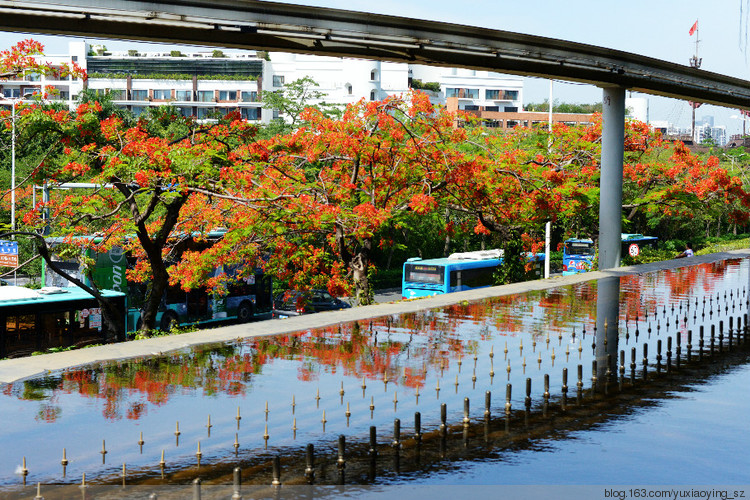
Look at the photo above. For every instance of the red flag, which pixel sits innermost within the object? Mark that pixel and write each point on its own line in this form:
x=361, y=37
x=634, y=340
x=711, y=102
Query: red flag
x=694, y=28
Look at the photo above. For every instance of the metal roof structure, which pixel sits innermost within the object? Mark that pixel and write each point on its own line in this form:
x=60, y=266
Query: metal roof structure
x=252, y=24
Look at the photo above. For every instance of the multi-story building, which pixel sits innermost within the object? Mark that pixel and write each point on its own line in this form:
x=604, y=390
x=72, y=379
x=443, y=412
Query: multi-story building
x=203, y=83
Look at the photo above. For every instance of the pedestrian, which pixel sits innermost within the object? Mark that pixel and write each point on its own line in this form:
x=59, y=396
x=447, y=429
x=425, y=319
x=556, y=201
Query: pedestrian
x=688, y=252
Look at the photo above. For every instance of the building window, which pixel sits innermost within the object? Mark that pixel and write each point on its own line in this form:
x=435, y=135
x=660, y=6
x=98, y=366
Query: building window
x=511, y=124
x=227, y=95
x=205, y=95
x=493, y=123
x=184, y=95
x=511, y=109
x=12, y=93
x=278, y=80
x=203, y=113
x=349, y=88
x=138, y=110
x=462, y=93
x=117, y=94
x=372, y=95
x=492, y=94
x=492, y=108
x=373, y=75
x=140, y=95
x=276, y=114
x=251, y=113
x=510, y=95
x=162, y=94
x=251, y=96
x=186, y=111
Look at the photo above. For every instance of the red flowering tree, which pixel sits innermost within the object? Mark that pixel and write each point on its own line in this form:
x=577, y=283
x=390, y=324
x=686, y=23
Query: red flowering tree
x=148, y=190
x=332, y=184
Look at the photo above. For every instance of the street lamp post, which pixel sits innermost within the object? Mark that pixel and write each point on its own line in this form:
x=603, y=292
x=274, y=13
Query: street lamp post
x=13, y=104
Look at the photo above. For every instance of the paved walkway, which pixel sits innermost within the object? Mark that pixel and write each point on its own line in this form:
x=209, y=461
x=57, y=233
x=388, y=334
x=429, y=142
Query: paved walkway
x=12, y=370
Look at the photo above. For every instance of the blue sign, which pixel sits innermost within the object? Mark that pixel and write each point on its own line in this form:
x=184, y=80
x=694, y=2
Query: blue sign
x=8, y=253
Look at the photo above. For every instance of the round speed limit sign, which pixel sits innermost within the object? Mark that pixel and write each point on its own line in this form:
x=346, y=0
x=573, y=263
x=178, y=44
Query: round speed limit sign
x=633, y=250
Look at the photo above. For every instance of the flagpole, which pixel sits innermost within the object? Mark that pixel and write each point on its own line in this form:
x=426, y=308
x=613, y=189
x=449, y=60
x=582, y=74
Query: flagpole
x=695, y=62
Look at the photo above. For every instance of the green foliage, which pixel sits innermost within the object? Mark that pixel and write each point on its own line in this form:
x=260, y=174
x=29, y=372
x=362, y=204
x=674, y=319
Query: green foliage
x=218, y=53
x=513, y=268
x=418, y=84
x=176, y=53
x=290, y=101
x=565, y=107
x=172, y=76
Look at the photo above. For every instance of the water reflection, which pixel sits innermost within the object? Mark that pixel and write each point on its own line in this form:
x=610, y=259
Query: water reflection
x=376, y=371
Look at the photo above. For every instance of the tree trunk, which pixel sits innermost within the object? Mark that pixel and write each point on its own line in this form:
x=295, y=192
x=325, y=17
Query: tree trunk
x=360, y=266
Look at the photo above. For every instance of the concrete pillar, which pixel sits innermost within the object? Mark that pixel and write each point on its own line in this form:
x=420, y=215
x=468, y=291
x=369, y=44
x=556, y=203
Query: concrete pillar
x=610, y=183
x=607, y=310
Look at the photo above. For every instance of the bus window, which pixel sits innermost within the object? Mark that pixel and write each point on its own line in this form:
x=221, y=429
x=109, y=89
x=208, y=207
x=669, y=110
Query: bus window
x=420, y=273
x=579, y=248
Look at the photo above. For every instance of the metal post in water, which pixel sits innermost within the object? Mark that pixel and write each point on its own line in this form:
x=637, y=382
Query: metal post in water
x=689, y=346
x=508, y=389
x=276, y=480
x=593, y=376
x=669, y=353
x=527, y=400
x=713, y=340
x=466, y=420
x=579, y=385
x=731, y=328
x=443, y=418
x=721, y=336
x=418, y=427
x=612, y=154
x=197, y=488
x=632, y=365
x=310, y=463
x=645, y=361
x=341, y=462
x=564, y=391
x=487, y=401
x=396, y=433
x=373, y=441
x=236, y=484
x=658, y=356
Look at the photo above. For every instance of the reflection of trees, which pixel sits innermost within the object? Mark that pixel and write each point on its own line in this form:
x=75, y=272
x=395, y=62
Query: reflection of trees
x=404, y=347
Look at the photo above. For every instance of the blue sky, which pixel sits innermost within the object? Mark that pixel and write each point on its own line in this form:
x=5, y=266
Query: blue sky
x=652, y=28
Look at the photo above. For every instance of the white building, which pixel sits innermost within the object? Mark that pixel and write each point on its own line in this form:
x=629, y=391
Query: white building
x=202, y=83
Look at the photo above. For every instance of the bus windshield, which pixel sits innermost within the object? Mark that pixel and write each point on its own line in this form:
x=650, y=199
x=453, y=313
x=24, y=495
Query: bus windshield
x=421, y=273
x=579, y=248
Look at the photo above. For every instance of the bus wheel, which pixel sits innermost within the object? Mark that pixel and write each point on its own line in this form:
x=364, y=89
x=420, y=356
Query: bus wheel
x=244, y=312
x=168, y=321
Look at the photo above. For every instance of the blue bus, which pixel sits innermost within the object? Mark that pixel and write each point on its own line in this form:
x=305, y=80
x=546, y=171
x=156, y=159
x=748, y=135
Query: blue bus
x=457, y=272
x=246, y=298
x=578, y=254
x=51, y=317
